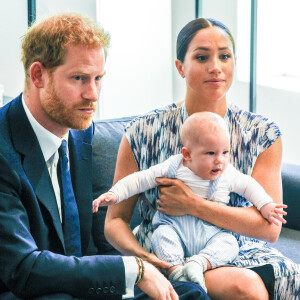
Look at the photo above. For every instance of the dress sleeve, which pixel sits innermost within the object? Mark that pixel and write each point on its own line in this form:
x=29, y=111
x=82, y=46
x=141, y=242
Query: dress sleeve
x=268, y=132
x=144, y=135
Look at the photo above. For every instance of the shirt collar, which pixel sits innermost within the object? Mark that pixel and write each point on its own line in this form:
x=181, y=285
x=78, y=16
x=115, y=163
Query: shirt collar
x=48, y=141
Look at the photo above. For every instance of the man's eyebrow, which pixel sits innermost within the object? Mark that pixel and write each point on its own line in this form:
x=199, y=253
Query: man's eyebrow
x=102, y=74
x=82, y=72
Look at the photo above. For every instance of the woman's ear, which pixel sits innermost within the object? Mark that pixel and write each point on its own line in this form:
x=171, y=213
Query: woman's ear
x=180, y=68
x=186, y=153
x=36, y=73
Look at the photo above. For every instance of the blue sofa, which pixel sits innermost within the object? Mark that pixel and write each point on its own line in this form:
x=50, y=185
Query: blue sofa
x=108, y=134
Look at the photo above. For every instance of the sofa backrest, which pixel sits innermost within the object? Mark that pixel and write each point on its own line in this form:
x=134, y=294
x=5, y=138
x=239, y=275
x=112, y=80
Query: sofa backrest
x=107, y=137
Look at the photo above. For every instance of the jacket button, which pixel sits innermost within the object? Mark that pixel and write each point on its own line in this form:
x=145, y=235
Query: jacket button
x=112, y=289
x=105, y=290
x=91, y=291
x=99, y=291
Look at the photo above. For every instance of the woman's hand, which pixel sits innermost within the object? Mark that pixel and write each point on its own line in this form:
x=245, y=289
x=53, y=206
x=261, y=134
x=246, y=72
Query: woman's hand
x=155, y=261
x=175, y=198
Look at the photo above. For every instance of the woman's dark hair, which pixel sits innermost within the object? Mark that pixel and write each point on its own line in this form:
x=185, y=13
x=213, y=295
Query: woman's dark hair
x=188, y=32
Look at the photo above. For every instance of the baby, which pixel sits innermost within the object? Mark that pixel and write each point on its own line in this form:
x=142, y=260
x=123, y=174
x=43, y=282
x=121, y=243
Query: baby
x=189, y=244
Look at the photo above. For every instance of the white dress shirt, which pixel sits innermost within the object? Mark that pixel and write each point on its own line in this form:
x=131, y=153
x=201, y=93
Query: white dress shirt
x=49, y=144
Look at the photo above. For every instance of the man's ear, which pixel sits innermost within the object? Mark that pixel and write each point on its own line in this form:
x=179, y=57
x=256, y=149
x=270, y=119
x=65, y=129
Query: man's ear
x=179, y=66
x=186, y=153
x=37, y=74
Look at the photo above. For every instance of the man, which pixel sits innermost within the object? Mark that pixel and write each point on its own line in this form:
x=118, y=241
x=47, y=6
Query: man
x=46, y=242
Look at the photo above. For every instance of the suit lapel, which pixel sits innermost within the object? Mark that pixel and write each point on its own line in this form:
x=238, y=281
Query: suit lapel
x=26, y=143
x=80, y=150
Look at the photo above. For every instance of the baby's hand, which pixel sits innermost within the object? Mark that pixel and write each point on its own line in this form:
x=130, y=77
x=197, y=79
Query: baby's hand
x=273, y=213
x=104, y=200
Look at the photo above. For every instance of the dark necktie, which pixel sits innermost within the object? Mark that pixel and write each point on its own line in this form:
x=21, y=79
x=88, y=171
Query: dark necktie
x=71, y=221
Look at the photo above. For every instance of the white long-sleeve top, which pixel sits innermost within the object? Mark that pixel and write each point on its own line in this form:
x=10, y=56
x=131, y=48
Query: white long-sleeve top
x=231, y=180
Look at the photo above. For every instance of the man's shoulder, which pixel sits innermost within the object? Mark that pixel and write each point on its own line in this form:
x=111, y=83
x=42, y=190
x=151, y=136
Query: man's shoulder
x=85, y=135
x=7, y=111
x=5, y=133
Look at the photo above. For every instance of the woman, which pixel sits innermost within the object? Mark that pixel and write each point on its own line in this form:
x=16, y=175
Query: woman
x=205, y=58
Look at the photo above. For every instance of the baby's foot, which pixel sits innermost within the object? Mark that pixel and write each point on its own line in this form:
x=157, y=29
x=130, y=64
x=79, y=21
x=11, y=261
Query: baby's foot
x=194, y=268
x=178, y=275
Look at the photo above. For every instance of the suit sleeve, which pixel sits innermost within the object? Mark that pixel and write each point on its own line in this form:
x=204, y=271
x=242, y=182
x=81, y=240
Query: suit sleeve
x=29, y=271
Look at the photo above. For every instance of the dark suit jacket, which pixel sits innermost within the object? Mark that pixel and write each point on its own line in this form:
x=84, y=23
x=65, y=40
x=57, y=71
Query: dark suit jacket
x=32, y=254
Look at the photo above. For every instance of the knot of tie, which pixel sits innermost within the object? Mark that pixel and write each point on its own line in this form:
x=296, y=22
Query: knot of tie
x=63, y=150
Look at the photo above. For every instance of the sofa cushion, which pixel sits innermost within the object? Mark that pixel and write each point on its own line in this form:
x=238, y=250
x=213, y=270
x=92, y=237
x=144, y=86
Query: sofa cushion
x=289, y=244
x=107, y=137
x=291, y=194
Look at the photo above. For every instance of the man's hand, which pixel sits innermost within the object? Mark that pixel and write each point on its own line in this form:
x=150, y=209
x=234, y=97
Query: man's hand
x=104, y=200
x=155, y=285
x=273, y=213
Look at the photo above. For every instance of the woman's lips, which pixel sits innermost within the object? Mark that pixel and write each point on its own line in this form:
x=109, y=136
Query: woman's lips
x=215, y=81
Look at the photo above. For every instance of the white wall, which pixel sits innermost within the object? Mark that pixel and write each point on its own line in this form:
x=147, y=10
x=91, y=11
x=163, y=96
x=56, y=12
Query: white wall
x=182, y=13
x=86, y=7
x=283, y=107
x=139, y=76
x=13, y=25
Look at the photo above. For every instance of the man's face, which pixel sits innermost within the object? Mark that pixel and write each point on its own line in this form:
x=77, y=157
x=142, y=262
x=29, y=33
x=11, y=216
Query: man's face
x=72, y=89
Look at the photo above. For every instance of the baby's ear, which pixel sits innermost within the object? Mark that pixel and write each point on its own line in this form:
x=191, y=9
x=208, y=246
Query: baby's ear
x=186, y=153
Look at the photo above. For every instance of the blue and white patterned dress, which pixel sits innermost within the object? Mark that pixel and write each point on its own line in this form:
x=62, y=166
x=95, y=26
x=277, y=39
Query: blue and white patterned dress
x=155, y=136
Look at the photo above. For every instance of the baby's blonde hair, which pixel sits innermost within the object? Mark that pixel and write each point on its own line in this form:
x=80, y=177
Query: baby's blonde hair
x=199, y=123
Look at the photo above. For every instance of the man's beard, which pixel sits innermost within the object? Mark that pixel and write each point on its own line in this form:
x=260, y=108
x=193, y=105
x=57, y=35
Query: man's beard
x=68, y=117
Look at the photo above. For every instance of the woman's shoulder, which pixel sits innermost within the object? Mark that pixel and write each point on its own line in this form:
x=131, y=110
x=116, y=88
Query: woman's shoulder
x=157, y=115
x=249, y=120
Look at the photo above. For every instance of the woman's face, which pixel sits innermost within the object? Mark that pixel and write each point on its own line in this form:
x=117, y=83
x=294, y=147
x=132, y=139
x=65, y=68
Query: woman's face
x=208, y=65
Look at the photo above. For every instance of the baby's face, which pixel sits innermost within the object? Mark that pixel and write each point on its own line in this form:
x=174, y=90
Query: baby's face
x=210, y=156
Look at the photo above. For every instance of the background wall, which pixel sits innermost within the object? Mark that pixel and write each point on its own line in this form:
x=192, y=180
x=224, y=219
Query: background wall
x=13, y=25
x=141, y=73
x=138, y=69
x=182, y=13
